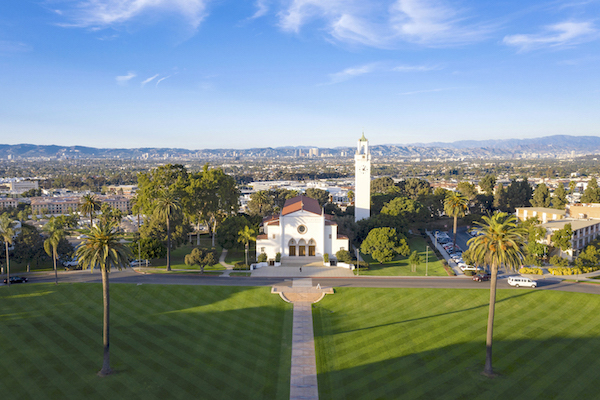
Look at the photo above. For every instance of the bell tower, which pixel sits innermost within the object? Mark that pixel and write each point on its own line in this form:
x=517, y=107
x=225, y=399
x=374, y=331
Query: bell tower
x=362, y=183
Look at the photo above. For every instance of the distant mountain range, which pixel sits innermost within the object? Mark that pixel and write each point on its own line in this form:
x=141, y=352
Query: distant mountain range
x=543, y=147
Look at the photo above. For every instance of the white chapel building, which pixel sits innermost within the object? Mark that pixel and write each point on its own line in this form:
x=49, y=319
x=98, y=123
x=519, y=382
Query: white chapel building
x=301, y=231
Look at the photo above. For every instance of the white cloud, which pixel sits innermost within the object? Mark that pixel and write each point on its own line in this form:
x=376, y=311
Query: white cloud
x=262, y=8
x=416, y=68
x=426, y=91
x=557, y=35
x=149, y=80
x=352, y=72
x=105, y=13
x=162, y=79
x=383, y=23
x=7, y=46
x=123, y=79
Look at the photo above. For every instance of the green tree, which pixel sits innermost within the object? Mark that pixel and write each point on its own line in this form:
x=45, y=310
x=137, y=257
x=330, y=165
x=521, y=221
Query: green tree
x=559, y=199
x=7, y=234
x=541, y=196
x=166, y=207
x=246, y=236
x=500, y=243
x=519, y=194
x=467, y=189
x=381, y=185
x=572, y=186
x=415, y=188
x=103, y=248
x=561, y=238
x=322, y=196
x=110, y=214
x=89, y=205
x=501, y=198
x=487, y=184
x=227, y=235
x=591, y=194
x=260, y=204
x=201, y=257
x=410, y=210
x=414, y=260
x=51, y=247
x=29, y=245
x=455, y=206
x=383, y=244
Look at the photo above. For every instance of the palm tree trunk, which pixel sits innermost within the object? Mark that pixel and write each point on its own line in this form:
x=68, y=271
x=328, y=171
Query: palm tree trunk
x=54, y=257
x=106, y=370
x=246, y=253
x=455, y=223
x=91, y=220
x=214, y=230
x=488, y=370
x=7, y=265
x=168, y=245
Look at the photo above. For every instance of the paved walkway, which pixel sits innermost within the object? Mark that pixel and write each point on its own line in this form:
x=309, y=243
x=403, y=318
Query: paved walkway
x=229, y=267
x=294, y=272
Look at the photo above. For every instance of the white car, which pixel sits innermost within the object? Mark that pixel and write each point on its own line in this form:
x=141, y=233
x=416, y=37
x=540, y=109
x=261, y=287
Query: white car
x=464, y=267
x=139, y=263
x=517, y=281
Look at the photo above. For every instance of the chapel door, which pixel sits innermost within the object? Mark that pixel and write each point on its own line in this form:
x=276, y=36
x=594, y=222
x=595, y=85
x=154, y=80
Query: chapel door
x=292, y=251
x=311, y=251
x=302, y=251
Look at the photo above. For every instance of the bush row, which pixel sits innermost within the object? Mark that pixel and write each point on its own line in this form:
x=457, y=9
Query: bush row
x=572, y=271
x=527, y=270
x=240, y=265
x=449, y=270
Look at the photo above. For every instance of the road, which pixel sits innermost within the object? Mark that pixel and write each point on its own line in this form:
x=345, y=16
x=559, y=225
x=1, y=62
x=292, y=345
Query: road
x=132, y=277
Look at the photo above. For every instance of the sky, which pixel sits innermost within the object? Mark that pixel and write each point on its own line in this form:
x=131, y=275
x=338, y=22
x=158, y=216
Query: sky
x=204, y=74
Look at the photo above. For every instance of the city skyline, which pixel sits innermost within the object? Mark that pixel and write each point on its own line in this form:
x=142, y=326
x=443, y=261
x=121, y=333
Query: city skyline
x=203, y=74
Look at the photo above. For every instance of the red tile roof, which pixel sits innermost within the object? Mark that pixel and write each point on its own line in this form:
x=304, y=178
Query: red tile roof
x=259, y=237
x=301, y=203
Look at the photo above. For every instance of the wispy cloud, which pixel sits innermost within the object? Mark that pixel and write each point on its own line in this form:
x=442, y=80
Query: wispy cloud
x=426, y=91
x=353, y=72
x=558, y=35
x=262, y=8
x=7, y=46
x=384, y=23
x=149, y=80
x=123, y=79
x=162, y=79
x=104, y=13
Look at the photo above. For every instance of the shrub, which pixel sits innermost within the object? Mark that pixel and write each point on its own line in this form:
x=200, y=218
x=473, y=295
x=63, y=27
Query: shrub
x=240, y=265
x=526, y=270
x=559, y=261
x=262, y=257
x=572, y=271
x=469, y=273
x=278, y=257
x=344, y=256
x=449, y=270
x=326, y=257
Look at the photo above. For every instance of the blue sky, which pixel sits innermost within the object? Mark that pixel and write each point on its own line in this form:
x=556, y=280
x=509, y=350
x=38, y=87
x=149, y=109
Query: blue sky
x=236, y=74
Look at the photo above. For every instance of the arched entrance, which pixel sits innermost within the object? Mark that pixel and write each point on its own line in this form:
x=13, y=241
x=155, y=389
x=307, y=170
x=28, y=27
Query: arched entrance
x=292, y=247
x=312, y=246
x=302, y=248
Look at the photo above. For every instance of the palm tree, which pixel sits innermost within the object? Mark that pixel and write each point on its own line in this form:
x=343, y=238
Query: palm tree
x=166, y=207
x=51, y=247
x=7, y=234
x=103, y=248
x=500, y=243
x=89, y=205
x=455, y=206
x=246, y=235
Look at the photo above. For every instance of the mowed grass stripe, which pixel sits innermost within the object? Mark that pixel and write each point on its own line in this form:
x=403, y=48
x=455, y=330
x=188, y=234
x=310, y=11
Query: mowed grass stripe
x=439, y=349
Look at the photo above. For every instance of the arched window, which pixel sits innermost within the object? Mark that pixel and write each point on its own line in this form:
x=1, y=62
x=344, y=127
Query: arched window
x=312, y=246
x=302, y=248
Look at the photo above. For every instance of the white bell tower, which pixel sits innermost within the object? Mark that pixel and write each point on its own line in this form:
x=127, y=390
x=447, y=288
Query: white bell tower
x=362, y=183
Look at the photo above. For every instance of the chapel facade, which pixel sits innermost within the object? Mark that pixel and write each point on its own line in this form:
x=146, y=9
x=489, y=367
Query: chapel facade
x=301, y=231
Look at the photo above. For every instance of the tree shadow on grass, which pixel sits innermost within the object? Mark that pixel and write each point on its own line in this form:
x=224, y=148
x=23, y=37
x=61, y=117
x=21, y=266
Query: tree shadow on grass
x=528, y=369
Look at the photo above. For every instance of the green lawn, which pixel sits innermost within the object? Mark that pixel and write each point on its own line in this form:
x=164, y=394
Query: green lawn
x=430, y=344
x=400, y=266
x=172, y=341
x=239, y=254
x=178, y=259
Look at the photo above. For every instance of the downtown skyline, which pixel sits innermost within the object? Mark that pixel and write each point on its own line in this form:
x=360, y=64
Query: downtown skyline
x=204, y=74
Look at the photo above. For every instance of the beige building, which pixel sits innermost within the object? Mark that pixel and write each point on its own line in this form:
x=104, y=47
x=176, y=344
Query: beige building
x=23, y=186
x=584, y=211
x=66, y=204
x=8, y=202
x=543, y=214
x=584, y=231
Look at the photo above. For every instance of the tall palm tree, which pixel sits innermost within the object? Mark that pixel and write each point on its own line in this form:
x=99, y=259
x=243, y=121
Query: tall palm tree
x=500, y=243
x=51, y=247
x=455, y=206
x=7, y=233
x=89, y=205
x=166, y=207
x=103, y=248
x=246, y=235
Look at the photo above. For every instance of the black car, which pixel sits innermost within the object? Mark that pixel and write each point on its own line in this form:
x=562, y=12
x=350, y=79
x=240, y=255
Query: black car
x=16, y=279
x=481, y=277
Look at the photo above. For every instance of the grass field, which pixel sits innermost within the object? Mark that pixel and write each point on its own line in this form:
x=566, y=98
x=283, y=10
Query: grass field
x=399, y=266
x=178, y=259
x=430, y=344
x=184, y=342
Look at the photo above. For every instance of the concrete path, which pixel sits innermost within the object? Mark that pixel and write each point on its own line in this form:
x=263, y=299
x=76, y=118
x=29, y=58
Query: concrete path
x=303, y=377
x=229, y=267
x=294, y=272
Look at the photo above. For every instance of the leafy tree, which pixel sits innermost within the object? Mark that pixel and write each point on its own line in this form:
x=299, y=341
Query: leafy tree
x=150, y=248
x=562, y=238
x=588, y=257
x=381, y=185
x=434, y=202
x=343, y=256
x=227, y=235
x=110, y=214
x=350, y=195
x=414, y=260
x=558, y=261
x=89, y=205
x=103, y=248
x=415, y=188
x=467, y=189
x=7, y=233
x=347, y=226
x=487, y=184
x=261, y=203
x=499, y=244
x=383, y=244
x=501, y=198
x=201, y=257
x=281, y=195
x=591, y=194
x=519, y=194
x=572, y=186
x=410, y=210
x=322, y=196
x=29, y=245
x=559, y=200
x=246, y=236
x=541, y=196
x=51, y=247
x=166, y=207
x=455, y=206
x=32, y=193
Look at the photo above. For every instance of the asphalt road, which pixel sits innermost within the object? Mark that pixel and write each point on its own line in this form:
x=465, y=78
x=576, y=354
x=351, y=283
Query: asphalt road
x=132, y=277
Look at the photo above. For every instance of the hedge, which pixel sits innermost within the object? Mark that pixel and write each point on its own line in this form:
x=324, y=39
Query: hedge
x=241, y=266
x=572, y=271
x=527, y=270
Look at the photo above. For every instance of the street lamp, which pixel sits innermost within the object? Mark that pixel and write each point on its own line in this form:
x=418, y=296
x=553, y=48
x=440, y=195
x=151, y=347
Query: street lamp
x=426, y=260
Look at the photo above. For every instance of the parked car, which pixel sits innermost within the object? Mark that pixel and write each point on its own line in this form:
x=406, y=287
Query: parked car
x=16, y=279
x=517, y=281
x=481, y=277
x=465, y=267
x=140, y=263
